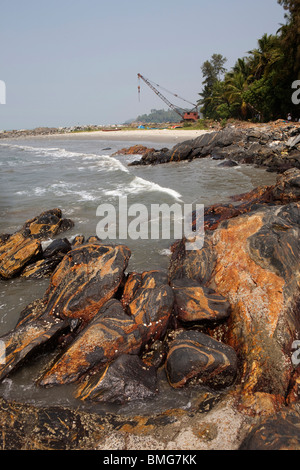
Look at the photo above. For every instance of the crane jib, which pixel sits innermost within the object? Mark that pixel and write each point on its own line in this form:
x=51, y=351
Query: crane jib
x=186, y=116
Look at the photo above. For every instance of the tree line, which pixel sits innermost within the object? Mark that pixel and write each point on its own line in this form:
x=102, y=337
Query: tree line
x=259, y=86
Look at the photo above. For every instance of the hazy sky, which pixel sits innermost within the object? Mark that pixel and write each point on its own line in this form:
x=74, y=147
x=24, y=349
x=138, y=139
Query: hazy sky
x=72, y=62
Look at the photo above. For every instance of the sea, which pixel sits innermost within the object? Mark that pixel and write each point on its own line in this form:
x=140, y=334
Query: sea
x=78, y=175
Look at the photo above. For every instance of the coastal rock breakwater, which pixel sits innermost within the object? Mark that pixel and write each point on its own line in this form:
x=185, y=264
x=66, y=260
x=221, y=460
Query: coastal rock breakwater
x=222, y=322
x=274, y=146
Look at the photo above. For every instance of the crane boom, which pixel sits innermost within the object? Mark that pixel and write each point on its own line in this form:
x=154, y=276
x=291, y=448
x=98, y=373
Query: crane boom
x=187, y=116
x=160, y=95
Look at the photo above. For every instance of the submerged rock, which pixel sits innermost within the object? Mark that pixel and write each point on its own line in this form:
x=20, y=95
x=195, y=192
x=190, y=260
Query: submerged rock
x=195, y=358
x=125, y=379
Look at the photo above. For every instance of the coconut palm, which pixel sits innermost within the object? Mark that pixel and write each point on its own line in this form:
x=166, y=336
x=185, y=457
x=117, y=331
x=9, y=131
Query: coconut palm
x=265, y=56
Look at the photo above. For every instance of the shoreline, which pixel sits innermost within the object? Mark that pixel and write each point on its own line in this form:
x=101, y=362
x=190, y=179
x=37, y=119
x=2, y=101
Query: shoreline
x=143, y=135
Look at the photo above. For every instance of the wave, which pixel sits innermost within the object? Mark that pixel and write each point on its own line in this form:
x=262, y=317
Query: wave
x=139, y=185
x=103, y=161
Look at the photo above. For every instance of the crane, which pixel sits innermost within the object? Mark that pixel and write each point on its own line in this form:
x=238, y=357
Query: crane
x=185, y=115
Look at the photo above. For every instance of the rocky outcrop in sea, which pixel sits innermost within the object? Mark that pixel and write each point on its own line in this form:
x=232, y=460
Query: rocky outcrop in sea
x=221, y=323
x=275, y=147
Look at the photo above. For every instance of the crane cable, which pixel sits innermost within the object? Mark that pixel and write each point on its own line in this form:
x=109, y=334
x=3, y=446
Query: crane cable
x=168, y=91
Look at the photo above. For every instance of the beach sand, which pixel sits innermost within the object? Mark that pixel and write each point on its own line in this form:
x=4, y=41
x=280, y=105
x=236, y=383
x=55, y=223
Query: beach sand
x=144, y=135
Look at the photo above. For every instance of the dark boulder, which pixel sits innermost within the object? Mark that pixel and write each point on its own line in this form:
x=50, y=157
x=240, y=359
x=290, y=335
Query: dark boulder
x=58, y=247
x=125, y=379
x=111, y=333
x=197, y=359
x=48, y=224
x=33, y=331
x=87, y=277
x=42, y=268
x=276, y=432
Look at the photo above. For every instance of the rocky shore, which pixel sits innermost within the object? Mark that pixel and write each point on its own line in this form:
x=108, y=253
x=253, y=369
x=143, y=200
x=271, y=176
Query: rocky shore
x=274, y=146
x=224, y=321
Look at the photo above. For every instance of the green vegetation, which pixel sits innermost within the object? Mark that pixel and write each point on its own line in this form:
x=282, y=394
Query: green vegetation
x=259, y=86
x=159, y=116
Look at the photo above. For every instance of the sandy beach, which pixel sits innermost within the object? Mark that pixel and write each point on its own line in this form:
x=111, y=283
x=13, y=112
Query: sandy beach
x=145, y=135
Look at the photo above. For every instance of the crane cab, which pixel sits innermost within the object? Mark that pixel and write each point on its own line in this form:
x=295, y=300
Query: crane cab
x=191, y=116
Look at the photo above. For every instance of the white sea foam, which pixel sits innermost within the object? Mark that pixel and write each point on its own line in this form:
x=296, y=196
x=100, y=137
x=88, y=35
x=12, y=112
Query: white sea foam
x=138, y=186
x=165, y=252
x=102, y=161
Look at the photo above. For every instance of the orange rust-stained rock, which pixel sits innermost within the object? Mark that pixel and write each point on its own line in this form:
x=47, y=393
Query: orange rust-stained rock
x=16, y=253
x=253, y=261
x=132, y=283
x=134, y=150
x=23, y=247
x=198, y=304
x=284, y=191
x=152, y=305
x=87, y=277
x=48, y=224
x=111, y=333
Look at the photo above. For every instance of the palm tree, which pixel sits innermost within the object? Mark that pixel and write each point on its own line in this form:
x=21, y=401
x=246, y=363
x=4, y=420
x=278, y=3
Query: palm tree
x=265, y=56
x=235, y=86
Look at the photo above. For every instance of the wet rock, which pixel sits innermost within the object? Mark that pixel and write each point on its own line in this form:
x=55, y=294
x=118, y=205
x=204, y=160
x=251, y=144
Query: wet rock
x=125, y=379
x=58, y=247
x=111, y=333
x=155, y=353
x=87, y=277
x=78, y=240
x=253, y=261
x=48, y=224
x=23, y=247
x=198, y=304
x=133, y=282
x=134, y=150
x=16, y=253
x=279, y=432
x=41, y=269
x=152, y=305
x=195, y=358
x=93, y=239
x=33, y=331
x=285, y=190
x=228, y=164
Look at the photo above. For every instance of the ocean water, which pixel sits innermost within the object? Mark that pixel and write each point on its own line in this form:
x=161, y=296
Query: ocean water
x=78, y=175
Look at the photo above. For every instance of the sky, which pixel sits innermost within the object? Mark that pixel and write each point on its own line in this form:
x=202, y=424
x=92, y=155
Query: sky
x=71, y=62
